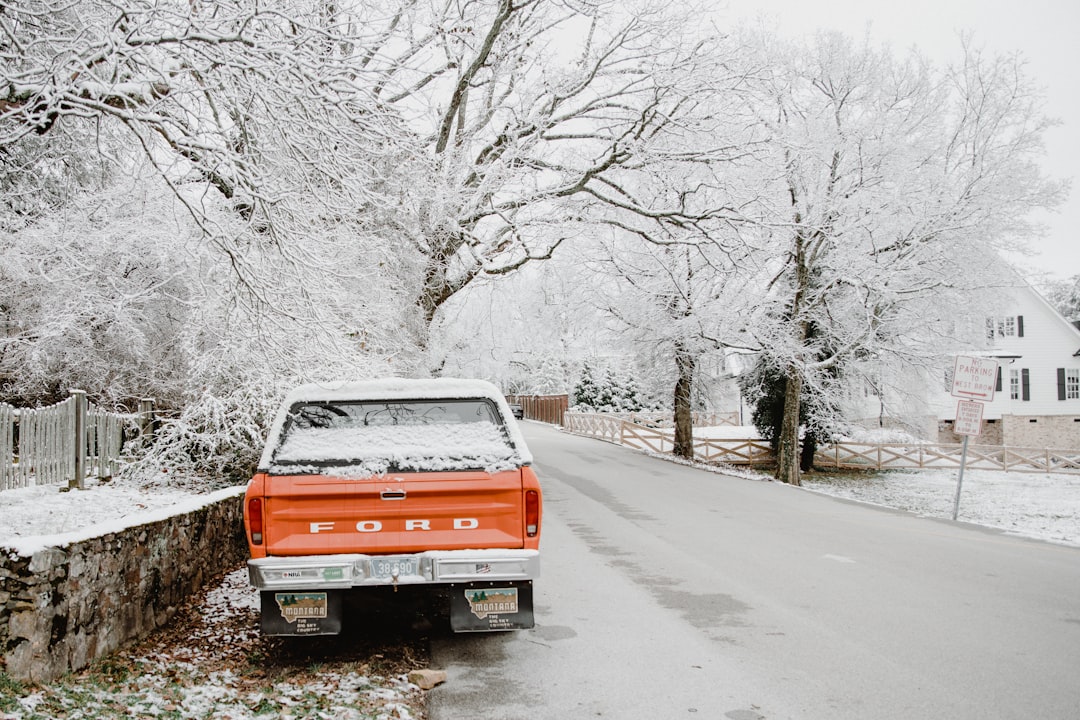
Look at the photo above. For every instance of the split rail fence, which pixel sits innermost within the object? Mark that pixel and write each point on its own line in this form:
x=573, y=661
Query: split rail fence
x=658, y=438
x=63, y=443
x=979, y=457
x=845, y=455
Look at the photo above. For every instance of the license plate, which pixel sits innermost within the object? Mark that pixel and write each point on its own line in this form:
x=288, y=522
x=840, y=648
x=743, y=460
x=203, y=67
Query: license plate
x=386, y=568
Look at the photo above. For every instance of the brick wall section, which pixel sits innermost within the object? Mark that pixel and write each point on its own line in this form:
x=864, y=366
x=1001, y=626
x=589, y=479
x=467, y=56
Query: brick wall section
x=63, y=607
x=992, y=434
x=1061, y=432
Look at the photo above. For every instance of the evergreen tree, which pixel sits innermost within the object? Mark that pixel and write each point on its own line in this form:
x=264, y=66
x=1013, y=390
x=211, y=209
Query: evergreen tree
x=606, y=393
x=585, y=392
x=765, y=389
x=630, y=396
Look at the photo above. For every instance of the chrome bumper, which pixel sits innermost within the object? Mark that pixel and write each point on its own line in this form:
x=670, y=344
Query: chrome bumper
x=432, y=567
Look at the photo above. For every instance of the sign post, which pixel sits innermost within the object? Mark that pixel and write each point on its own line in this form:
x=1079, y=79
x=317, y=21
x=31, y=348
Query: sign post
x=974, y=381
x=968, y=423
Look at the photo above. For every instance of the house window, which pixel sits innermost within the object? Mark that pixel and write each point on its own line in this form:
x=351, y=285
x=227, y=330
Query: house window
x=1014, y=384
x=1072, y=383
x=1006, y=326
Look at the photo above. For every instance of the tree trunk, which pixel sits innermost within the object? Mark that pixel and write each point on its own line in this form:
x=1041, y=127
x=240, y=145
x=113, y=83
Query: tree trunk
x=787, y=461
x=685, y=365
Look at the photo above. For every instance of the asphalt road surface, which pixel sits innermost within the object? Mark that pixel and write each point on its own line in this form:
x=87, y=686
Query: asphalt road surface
x=671, y=592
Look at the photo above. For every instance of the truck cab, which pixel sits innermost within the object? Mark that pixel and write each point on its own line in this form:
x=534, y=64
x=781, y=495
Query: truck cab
x=393, y=483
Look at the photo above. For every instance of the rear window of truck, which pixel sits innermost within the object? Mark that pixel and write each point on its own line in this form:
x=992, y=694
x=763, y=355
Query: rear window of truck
x=365, y=438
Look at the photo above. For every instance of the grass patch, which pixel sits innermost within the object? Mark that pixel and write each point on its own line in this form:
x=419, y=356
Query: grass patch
x=10, y=690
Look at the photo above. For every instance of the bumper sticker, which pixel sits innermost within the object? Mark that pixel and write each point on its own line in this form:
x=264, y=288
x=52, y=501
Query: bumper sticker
x=492, y=601
x=297, y=606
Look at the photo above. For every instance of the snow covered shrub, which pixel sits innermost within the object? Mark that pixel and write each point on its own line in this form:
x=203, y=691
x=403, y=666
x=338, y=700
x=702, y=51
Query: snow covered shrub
x=764, y=388
x=215, y=441
x=609, y=393
x=237, y=382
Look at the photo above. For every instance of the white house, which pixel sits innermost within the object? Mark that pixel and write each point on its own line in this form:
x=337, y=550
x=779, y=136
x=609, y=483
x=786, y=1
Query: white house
x=1037, y=399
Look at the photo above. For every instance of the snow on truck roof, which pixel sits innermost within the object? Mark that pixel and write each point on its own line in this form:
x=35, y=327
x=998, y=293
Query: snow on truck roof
x=395, y=389
x=418, y=389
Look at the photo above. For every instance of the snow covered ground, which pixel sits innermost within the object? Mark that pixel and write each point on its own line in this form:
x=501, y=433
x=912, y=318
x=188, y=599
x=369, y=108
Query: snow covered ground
x=1043, y=506
x=42, y=515
x=211, y=662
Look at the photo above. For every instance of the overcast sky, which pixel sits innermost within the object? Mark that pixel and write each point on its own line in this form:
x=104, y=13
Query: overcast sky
x=1047, y=32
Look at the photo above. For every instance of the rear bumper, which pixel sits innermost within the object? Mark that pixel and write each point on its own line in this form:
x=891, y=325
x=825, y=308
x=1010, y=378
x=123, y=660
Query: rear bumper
x=436, y=567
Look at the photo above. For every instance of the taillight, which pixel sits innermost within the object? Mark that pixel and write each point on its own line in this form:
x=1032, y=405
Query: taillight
x=255, y=520
x=532, y=513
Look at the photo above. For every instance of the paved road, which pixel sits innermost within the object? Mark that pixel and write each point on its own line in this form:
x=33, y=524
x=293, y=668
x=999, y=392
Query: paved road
x=670, y=592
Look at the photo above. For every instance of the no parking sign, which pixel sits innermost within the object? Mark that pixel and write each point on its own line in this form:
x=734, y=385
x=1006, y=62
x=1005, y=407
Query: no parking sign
x=974, y=378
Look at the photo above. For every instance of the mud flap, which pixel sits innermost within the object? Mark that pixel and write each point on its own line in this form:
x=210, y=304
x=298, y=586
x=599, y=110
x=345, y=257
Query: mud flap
x=487, y=606
x=301, y=612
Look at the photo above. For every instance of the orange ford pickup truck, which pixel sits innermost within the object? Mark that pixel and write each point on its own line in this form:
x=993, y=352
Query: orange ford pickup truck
x=384, y=485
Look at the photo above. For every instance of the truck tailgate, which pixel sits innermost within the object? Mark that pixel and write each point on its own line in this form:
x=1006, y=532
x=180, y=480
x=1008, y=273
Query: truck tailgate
x=400, y=512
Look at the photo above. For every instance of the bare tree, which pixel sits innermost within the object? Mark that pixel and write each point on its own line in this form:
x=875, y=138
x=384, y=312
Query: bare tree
x=1065, y=296
x=679, y=299
x=890, y=185
x=529, y=112
x=473, y=136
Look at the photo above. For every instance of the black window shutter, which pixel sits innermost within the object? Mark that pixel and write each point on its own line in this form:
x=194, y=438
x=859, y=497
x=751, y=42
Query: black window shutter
x=1020, y=326
x=1061, y=383
x=998, y=388
x=1025, y=384
x=989, y=328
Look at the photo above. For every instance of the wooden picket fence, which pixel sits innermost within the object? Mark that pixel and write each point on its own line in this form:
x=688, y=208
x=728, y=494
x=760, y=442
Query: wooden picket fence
x=40, y=446
x=845, y=455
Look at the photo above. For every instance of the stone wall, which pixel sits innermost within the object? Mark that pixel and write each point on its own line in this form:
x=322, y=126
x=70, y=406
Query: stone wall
x=62, y=607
